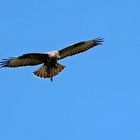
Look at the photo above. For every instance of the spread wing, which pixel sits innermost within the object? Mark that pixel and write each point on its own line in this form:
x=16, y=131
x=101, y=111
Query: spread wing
x=79, y=47
x=29, y=59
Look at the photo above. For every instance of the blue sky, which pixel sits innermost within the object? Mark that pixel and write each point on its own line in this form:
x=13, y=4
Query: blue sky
x=97, y=96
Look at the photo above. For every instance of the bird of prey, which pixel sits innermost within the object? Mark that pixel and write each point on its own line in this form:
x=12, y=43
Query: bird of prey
x=50, y=66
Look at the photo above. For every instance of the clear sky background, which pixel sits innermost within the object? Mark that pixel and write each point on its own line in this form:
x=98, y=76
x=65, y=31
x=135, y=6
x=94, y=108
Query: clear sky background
x=97, y=96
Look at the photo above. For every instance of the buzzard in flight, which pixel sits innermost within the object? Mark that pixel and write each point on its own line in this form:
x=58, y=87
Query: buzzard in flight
x=50, y=66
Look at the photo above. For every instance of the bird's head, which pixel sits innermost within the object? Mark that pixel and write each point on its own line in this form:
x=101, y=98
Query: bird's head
x=54, y=54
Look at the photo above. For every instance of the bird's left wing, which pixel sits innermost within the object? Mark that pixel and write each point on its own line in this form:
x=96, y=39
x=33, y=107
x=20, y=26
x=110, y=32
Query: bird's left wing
x=29, y=59
x=79, y=47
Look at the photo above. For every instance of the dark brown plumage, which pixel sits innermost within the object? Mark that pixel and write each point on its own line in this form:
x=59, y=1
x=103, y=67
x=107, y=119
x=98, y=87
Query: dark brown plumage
x=50, y=67
x=79, y=47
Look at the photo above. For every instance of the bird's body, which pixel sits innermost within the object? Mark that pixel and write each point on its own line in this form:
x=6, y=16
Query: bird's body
x=50, y=66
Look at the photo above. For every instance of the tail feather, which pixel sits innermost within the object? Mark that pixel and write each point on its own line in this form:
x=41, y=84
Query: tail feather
x=46, y=71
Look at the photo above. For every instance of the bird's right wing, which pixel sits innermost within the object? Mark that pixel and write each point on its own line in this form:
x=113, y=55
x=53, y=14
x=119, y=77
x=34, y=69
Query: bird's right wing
x=79, y=47
x=29, y=59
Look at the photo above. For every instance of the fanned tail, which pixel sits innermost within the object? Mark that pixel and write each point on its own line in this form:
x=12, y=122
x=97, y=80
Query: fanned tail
x=46, y=71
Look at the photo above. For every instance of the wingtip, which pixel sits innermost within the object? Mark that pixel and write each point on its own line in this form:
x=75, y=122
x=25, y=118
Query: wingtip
x=5, y=62
x=99, y=40
x=2, y=64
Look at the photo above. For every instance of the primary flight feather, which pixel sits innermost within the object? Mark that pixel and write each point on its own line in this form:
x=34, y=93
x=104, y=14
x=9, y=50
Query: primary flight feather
x=50, y=66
